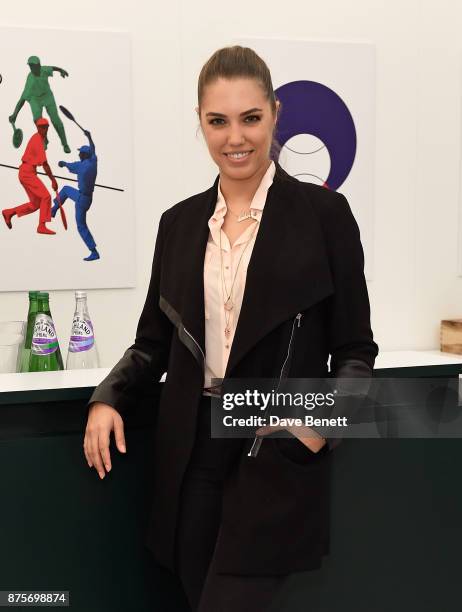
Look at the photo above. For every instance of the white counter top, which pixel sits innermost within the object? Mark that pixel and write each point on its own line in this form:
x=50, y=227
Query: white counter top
x=412, y=359
x=66, y=379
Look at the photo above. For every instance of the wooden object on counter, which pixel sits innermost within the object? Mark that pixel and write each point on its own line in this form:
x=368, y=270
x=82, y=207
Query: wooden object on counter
x=451, y=336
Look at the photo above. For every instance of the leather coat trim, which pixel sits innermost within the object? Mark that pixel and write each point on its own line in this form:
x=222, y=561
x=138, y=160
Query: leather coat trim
x=352, y=368
x=185, y=337
x=145, y=357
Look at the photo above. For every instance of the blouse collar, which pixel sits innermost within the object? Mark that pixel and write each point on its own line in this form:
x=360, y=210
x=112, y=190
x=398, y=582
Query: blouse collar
x=256, y=206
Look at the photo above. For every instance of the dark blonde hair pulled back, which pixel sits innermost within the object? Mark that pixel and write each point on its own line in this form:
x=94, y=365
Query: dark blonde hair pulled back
x=238, y=62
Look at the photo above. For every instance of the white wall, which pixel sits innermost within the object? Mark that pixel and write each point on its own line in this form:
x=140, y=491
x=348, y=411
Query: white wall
x=419, y=50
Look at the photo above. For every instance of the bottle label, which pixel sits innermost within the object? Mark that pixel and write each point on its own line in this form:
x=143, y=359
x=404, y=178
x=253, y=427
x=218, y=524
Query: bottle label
x=44, y=339
x=82, y=337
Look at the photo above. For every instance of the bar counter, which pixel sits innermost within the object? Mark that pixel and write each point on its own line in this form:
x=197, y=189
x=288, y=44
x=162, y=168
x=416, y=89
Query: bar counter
x=396, y=507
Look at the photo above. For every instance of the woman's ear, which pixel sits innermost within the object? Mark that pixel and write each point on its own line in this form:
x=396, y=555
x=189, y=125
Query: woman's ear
x=278, y=108
x=199, y=127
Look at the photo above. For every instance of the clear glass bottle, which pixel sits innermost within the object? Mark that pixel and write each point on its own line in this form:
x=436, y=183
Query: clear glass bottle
x=45, y=352
x=25, y=355
x=82, y=347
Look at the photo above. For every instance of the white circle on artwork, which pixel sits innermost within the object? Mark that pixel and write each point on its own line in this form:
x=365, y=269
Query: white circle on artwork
x=306, y=157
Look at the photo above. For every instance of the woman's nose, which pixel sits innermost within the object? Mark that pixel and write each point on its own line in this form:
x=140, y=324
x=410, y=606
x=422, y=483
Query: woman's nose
x=235, y=136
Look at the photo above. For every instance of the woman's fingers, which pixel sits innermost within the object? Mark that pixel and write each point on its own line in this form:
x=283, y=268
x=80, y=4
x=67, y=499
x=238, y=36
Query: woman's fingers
x=85, y=450
x=102, y=420
x=95, y=454
x=305, y=434
x=103, y=441
x=119, y=435
x=268, y=429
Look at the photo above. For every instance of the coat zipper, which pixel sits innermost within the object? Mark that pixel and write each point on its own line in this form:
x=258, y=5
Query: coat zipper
x=253, y=452
x=289, y=348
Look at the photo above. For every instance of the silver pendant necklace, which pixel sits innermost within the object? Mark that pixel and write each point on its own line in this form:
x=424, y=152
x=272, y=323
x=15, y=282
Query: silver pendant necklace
x=243, y=215
x=228, y=296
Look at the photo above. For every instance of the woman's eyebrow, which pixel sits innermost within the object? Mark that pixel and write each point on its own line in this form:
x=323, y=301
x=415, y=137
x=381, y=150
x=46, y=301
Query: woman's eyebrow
x=247, y=112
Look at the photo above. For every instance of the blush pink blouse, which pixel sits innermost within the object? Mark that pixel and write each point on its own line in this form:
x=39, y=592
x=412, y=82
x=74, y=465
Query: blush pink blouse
x=217, y=346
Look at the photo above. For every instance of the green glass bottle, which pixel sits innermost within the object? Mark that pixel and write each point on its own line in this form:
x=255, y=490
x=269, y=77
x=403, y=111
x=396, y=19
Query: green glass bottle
x=45, y=353
x=25, y=356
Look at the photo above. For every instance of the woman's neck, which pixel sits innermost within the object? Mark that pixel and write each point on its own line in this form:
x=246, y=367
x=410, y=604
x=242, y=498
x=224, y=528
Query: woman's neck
x=242, y=191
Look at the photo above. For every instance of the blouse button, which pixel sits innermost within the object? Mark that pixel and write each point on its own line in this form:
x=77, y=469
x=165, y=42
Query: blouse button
x=226, y=345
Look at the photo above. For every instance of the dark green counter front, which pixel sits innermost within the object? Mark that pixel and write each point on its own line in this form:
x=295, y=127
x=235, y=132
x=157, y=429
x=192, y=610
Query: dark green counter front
x=62, y=528
x=396, y=518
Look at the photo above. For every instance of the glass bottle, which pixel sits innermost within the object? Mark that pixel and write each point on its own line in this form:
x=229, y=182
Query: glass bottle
x=45, y=352
x=82, y=347
x=25, y=355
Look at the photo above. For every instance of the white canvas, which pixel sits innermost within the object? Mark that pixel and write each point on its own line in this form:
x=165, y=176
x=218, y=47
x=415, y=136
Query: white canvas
x=98, y=94
x=348, y=69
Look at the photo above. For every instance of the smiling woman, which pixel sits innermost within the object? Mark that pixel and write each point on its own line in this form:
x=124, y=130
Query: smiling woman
x=238, y=113
x=259, y=276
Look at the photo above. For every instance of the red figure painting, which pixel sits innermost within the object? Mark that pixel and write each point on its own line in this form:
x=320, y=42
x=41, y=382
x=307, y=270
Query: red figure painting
x=39, y=196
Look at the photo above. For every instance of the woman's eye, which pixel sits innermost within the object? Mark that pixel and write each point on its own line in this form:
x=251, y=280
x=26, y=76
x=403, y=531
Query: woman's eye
x=249, y=119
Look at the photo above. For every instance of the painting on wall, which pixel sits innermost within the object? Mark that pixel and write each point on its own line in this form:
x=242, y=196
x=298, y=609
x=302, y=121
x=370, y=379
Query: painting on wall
x=326, y=127
x=66, y=198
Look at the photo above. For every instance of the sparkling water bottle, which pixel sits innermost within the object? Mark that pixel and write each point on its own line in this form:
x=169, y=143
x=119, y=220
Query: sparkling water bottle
x=33, y=306
x=82, y=347
x=45, y=353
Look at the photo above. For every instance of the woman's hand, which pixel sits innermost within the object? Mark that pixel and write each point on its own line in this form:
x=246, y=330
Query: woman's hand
x=102, y=419
x=306, y=435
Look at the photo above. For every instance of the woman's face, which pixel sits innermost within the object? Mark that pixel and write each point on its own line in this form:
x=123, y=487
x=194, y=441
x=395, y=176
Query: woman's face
x=237, y=123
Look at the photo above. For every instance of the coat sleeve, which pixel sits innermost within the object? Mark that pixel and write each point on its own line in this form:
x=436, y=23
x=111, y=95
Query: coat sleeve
x=146, y=360
x=351, y=345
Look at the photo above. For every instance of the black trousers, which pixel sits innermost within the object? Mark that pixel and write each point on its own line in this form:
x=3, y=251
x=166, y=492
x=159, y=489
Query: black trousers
x=198, y=530
x=199, y=526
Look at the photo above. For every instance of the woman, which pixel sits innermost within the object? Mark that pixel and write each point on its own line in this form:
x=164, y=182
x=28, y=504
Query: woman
x=257, y=269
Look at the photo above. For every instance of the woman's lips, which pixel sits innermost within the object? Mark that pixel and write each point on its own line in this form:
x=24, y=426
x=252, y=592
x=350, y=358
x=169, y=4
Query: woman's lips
x=238, y=160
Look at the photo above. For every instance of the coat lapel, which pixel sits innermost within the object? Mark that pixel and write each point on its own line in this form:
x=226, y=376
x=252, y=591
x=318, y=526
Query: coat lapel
x=288, y=270
x=182, y=282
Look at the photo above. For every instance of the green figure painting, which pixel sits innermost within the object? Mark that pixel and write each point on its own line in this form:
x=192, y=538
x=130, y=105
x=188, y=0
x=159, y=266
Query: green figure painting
x=37, y=92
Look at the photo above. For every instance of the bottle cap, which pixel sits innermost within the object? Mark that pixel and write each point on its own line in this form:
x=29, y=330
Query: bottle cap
x=80, y=294
x=43, y=295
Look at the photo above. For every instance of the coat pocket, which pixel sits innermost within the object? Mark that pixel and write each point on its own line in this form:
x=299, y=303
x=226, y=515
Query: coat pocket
x=293, y=451
x=275, y=515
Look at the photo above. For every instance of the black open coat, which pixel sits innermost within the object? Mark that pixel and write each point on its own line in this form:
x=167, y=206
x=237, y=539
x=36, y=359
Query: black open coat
x=307, y=260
